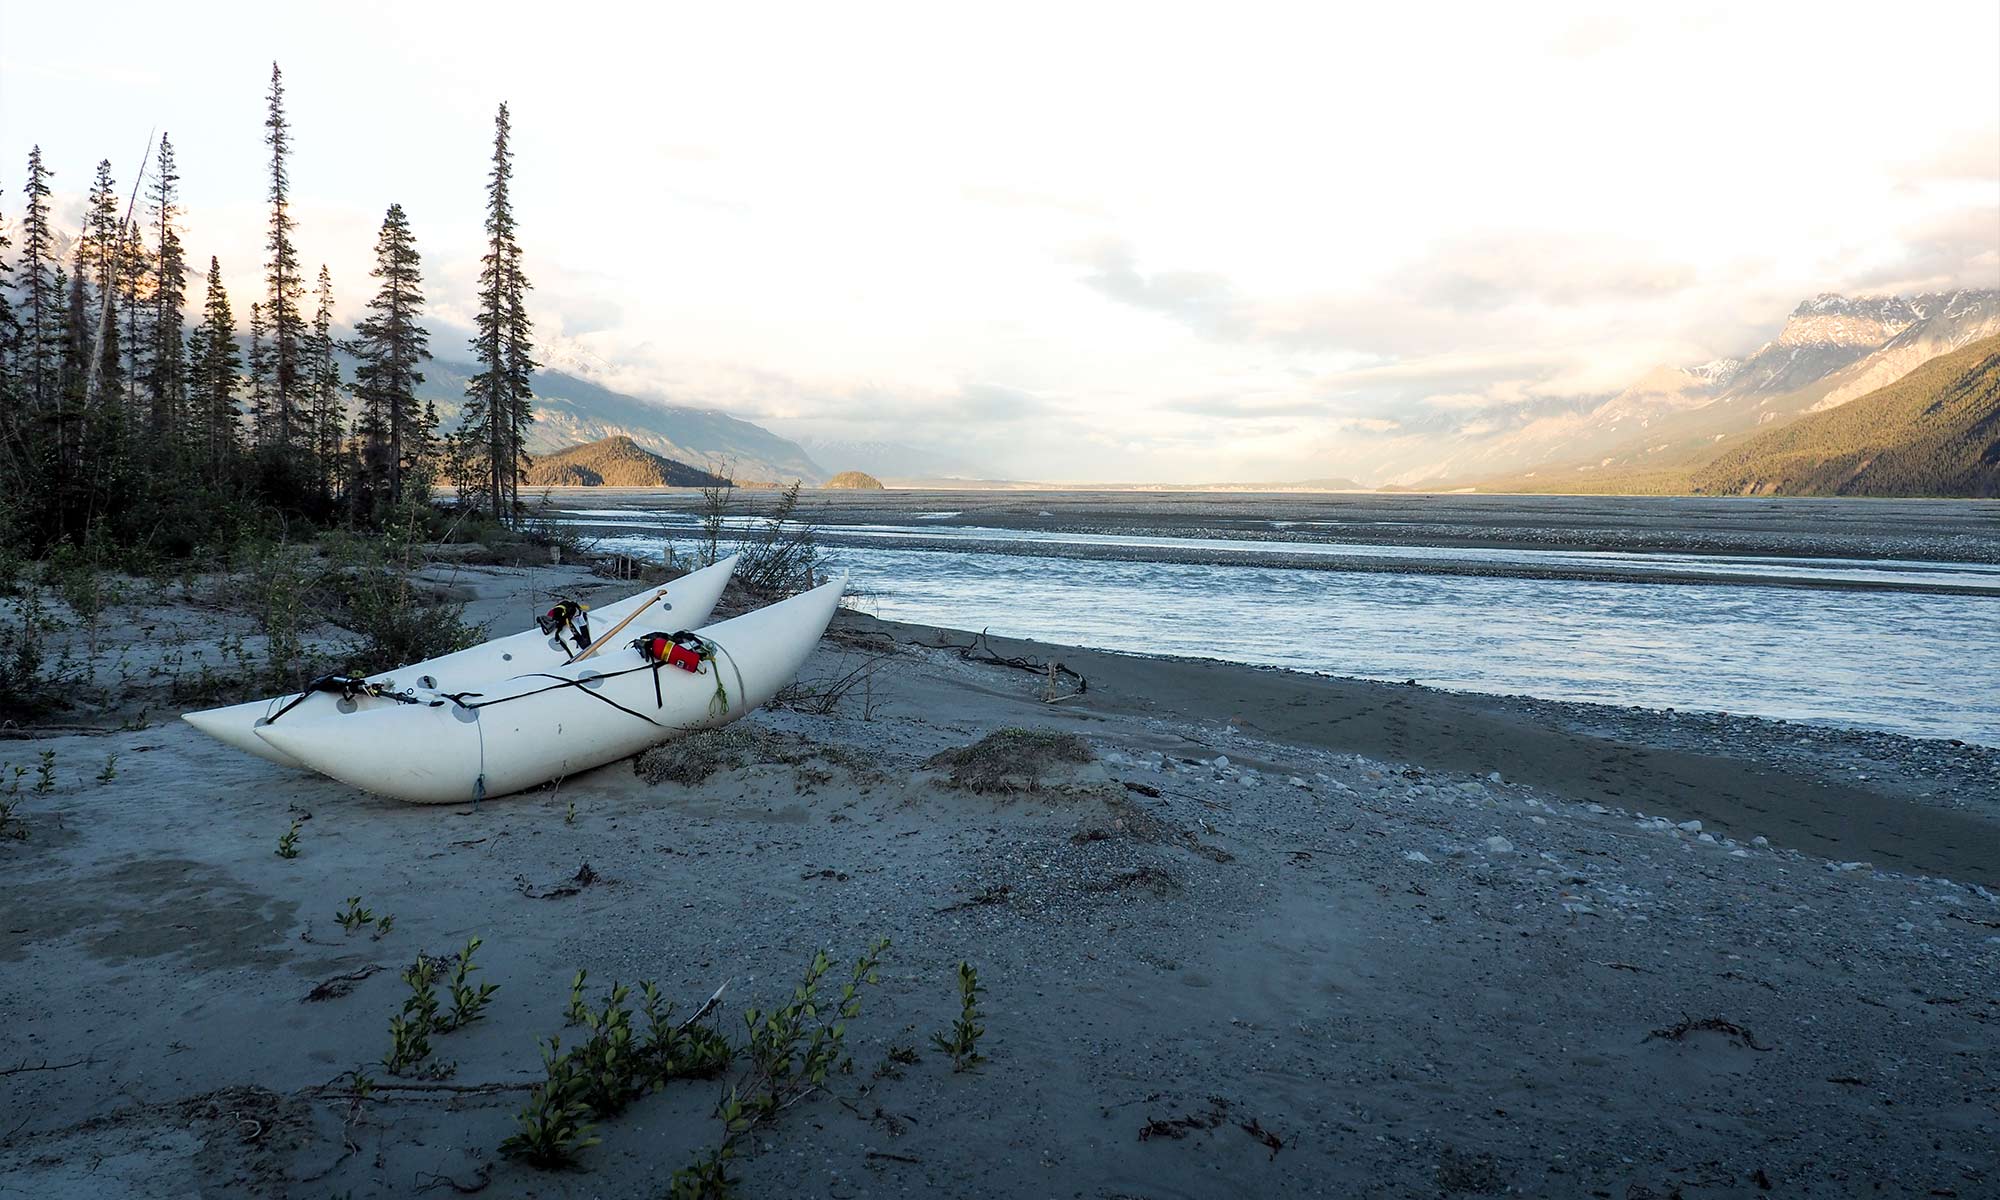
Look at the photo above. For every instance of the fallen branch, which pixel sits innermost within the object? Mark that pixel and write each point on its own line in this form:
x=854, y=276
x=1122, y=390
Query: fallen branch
x=1974, y=920
x=980, y=650
x=901, y=1158
x=339, y=985
x=1731, y=1029
x=45, y=1065
x=484, y=1177
x=997, y=894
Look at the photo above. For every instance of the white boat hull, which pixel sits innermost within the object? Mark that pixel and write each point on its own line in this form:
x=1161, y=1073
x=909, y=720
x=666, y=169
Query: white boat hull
x=684, y=604
x=528, y=729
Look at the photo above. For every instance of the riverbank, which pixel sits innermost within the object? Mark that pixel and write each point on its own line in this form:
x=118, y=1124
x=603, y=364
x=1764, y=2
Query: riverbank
x=1282, y=933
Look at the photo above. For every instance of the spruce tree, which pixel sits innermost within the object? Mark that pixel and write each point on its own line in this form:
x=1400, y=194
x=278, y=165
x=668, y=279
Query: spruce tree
x=498, y=398
x=41, y=296
x=10, y=346
x=261, y=423
x=98, y=266
x=281, y=277
x=217, y=367
x=166, y=374
x=328, y=415
x=134, y=265
x=392, y=345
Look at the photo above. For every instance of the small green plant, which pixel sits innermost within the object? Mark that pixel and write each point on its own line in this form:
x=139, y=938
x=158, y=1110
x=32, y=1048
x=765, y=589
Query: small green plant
x=354, y=916
x=555, y=1125
x=576, y=1012
x=11, y=827
x=383, y=926
x=410, y=1030
x=45, y=773
x=110, y=771
x=962, y=1043
x=569, y=816
x=288, y=841
x=467, y=1002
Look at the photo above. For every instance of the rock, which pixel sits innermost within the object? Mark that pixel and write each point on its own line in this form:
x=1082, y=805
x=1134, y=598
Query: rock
x=1760, y=840
x=1416, y=856
x=1221, y=762
x=1296, y=782
x=1689, y=827
x=1494, y=777
x=1499, y=845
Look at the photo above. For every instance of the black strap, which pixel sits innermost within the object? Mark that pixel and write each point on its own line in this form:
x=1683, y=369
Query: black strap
x=349, y=687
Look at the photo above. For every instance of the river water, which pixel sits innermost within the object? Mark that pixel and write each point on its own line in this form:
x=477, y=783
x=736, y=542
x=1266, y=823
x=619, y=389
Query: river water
x=1768, y=635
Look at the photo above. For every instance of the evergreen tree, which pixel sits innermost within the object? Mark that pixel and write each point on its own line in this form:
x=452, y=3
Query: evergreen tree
x=217, y=367
x=133, y=266
x=491, y=395
x=392, y=345
x=37, y=361
x=166, y=376
x=261, y=424
x=98, y=267
x=10, y=345
x=328, y=415
x=286, y=290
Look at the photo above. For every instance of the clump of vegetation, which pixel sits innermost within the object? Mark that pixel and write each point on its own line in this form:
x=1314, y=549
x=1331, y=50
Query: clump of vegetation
x=45, y=773
x=398, y=621
x=410, y=1030
x=354, y=916
x=468, y=1004
x=555, y=1126
x=109, y=771
x=610, y=1068
x=24, y=689
x=782, y=556
x=694, y=758
x=788, y=1053
x=1011, y=760
x=288, y=841
x=282, y=579
x=962, y=1041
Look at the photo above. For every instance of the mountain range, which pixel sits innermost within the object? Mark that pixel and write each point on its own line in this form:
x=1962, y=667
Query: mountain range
x=1934, y=432
x=1832, y=350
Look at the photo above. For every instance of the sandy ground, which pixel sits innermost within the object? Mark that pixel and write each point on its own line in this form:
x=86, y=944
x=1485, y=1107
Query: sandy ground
x=1433, y=945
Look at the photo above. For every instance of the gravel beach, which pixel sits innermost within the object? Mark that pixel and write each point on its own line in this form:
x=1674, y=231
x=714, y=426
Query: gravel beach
x=1278, y=935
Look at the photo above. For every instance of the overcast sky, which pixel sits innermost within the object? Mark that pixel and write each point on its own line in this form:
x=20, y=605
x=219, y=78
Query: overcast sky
x=1079, y=241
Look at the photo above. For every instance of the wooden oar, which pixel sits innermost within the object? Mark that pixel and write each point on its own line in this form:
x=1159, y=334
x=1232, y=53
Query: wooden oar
x=604, y=641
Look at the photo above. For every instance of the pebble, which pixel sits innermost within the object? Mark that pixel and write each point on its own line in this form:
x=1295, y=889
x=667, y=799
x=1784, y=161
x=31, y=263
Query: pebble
x=1416, y=856
x=1689, y=827
x=1499, y=845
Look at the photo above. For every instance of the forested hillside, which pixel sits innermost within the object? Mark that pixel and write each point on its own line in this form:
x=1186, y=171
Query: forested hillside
x=616, y=462
x=1935, y=432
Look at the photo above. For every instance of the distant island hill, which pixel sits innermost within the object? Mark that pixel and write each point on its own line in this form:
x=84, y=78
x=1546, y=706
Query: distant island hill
x=618, y=461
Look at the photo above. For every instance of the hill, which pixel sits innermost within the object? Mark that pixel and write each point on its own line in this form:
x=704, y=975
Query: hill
x=615, y=461
x=857, y=480
x=569, y=411
x=1934, y=432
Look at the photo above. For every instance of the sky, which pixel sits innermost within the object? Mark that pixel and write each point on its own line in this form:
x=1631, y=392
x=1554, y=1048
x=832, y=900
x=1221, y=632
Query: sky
x=1143, y=243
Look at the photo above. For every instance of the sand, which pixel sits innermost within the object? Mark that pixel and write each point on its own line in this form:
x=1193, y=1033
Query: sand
x=1283, y=935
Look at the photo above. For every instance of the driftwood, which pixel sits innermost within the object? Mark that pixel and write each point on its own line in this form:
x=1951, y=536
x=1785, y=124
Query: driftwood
x=339, y=985
x=980, y=650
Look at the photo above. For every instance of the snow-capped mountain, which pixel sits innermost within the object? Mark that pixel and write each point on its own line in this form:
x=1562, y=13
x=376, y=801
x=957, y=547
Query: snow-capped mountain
x=1831, y=349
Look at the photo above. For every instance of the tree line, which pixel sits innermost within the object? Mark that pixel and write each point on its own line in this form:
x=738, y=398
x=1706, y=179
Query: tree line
x=130, y=417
